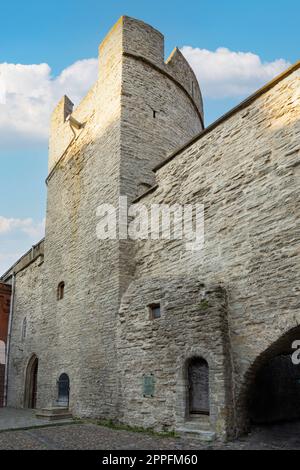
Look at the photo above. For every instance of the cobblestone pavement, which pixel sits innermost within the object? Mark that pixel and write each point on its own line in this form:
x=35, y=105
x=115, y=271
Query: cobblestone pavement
x=92, y=436
x=11, y=418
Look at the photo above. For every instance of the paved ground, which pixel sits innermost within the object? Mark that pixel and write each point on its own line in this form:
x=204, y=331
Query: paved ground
x=92, y=436
x=16, y=419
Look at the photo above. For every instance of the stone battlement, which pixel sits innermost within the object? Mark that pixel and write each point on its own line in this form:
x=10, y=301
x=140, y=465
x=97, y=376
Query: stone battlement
x=129, y=38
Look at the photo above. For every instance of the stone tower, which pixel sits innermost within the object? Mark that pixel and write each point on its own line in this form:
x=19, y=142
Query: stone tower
x=140, y=109
x=85, y=309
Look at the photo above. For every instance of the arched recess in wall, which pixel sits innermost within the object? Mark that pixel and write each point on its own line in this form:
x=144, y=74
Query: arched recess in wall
x=31, y=376
x=2, y=352
x=60, y=290
x=197, y=372
x=271, y=389
x=63, y=386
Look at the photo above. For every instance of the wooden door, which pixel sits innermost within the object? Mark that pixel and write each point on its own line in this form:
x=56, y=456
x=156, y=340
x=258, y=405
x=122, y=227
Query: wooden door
x=198, y=377
x=34, y=384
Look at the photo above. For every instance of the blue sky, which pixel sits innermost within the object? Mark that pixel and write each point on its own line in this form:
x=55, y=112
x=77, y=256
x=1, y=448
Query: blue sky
x=233, y=46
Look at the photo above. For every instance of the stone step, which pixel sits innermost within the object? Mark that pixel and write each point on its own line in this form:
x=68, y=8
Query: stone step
x=54, y=413
x=198, y=424
x=201, y=434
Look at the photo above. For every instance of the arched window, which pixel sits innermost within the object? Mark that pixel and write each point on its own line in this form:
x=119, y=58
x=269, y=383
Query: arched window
x=2, y=352
x=63, y=390
x=60, y=290
x=24, y=329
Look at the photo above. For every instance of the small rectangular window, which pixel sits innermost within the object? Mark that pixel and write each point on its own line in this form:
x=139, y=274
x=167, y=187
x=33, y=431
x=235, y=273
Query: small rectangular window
x=155, y=311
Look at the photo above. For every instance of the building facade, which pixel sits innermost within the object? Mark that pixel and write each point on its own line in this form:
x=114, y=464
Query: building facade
x=146, y=332
x=5, y=293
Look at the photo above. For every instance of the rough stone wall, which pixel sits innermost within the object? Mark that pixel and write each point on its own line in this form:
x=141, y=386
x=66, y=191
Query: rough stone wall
x=109, y=155
x=245, y=171
x=5, y=294
x=161, y=110
x=193, y=323
x=27, y=305
x=79, y=333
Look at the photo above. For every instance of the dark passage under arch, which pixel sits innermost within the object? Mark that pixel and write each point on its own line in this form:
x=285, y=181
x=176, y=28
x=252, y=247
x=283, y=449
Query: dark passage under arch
x=273, y=388
x=275, y=392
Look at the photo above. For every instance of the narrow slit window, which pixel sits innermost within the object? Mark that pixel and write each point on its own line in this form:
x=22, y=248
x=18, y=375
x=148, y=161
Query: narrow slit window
x=60, y=291
x=24, y=329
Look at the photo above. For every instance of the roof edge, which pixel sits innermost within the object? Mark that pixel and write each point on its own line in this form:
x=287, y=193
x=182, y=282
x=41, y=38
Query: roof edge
x=230, y=113
x=9, y=272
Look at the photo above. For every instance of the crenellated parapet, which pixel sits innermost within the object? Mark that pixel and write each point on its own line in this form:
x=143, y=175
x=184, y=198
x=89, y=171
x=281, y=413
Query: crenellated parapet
x=60, y=131
x=129, y=39
x=143, y=42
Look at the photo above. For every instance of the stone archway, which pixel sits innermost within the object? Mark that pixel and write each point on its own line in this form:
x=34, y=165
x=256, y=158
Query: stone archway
x=30, y=392
x=271, y=386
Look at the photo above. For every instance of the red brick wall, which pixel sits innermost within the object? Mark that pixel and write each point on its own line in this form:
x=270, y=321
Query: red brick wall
x=5, y=294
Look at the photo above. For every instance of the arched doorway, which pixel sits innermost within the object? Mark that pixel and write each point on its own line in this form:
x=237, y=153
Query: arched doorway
x=63, y=390
x=30, y=395
x=198, y=387
x=273, y=392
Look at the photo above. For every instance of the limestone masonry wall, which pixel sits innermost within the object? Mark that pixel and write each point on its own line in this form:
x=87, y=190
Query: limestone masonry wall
x=111, y=153
x=246, y=172
x=226, y=303
x=27, y=326
x=188, y=327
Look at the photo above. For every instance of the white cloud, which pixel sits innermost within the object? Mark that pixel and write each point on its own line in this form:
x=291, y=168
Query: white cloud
x=33, y=229
x=29, y=93
x=16, y=237
x=8, y=258
x=226, y=74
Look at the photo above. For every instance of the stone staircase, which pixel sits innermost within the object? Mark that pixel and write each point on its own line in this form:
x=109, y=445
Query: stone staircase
x=55, y=413
x=197, y=427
